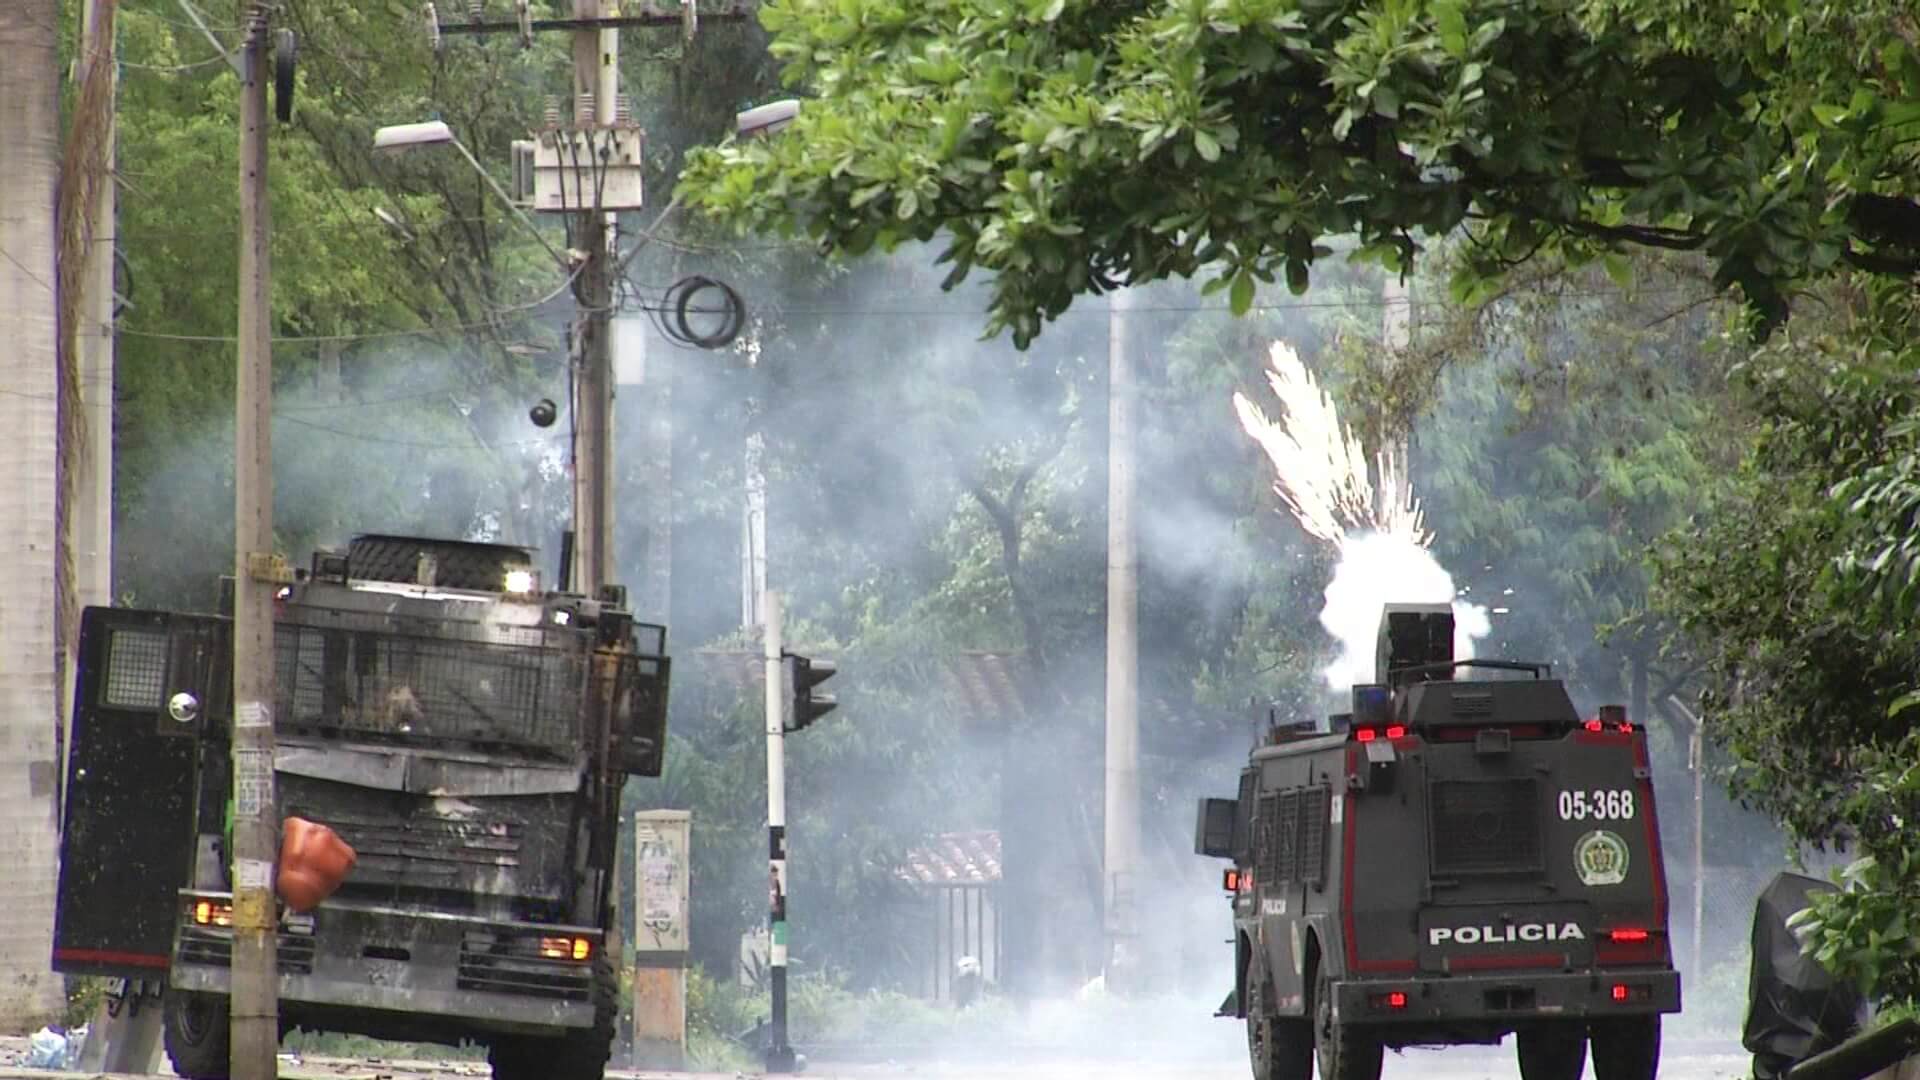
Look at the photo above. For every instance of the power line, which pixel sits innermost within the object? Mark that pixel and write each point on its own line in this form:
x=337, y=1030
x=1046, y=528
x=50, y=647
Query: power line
x=359, y=436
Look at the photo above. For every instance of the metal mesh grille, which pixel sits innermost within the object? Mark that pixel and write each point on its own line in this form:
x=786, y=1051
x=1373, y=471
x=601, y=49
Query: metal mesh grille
x=423, y=848
x=1286, y=837
x=429, y=688
x=1242, y=820
x=1264, y=848
x=1313, y=835
x=136, y=669
x=1485, y=826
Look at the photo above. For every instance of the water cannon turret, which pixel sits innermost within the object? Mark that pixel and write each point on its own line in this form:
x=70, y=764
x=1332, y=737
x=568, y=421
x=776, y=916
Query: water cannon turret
x=1412, y=636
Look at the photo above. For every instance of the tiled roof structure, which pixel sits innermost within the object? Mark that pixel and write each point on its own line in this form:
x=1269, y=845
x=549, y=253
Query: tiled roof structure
x=958, y=858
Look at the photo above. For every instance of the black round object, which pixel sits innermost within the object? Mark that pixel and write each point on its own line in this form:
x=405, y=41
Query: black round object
x=732, y=312
x=197, y=1033
x=543, y=413
x=580, y=1054
x=1556, y=1050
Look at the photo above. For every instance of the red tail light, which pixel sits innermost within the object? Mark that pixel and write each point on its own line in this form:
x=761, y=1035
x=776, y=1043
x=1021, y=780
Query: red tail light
x=1630, y=945
x=1365, y=734
x=1392, y=999
x=1231, y=882
x=1595, y=725
x=1621, y=991
x=1397, y=731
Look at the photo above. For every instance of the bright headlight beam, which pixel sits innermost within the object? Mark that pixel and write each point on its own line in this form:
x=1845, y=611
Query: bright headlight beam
x=520, y=581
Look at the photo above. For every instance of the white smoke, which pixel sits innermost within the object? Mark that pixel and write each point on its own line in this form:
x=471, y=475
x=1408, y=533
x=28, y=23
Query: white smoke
x=1377, y=569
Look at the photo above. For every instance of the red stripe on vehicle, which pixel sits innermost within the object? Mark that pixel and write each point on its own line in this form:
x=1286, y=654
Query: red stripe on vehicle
x=1658, y=866
x=1602, y=738
x=1496, y=963
x=110, y=956
x=1347, y=829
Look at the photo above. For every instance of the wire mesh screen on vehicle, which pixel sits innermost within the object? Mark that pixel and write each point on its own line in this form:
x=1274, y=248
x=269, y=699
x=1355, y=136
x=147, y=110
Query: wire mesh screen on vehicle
x=1485, y=826
x=1265, y=824
x=1315, y=807
x=1290, y=835
x=136, y=669
x=429, y=688
x=1243, y=819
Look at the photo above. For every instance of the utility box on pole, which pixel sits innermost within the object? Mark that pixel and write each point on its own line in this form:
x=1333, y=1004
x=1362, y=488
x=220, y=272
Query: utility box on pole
x=660, y=874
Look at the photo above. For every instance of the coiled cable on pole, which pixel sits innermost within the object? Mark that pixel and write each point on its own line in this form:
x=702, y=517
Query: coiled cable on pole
x=679, y=305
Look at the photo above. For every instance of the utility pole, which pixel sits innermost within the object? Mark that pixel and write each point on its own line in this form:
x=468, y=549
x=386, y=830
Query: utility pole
x=255, y=988
x=29, y=462
x=90, y=523
x=1123, y=654
x=780, y=1056
x=753, y=534
x=596, y=96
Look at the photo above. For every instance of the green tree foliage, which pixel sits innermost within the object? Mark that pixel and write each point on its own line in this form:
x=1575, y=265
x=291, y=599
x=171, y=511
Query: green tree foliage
x=1794, y=586
x=1066, y=145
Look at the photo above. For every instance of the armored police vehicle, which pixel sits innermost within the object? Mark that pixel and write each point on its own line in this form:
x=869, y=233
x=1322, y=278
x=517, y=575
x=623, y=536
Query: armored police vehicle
x=465, y=732
x=1461, y=858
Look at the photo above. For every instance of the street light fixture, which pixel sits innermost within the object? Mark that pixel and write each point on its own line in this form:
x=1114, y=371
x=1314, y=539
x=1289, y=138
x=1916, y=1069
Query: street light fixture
x=766, y=119
x=398, y=138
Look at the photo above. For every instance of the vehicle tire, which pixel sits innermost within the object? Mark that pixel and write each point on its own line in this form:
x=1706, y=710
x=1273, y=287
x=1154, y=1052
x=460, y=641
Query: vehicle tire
x=1344, y=1052
x=580, y=1054
x=1625, y=1047
x=1553, y=1051
x=197, y=1034
x=1279, y=1047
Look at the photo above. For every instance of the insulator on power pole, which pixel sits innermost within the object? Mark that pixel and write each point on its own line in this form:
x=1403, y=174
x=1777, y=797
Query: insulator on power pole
x=525, y=18
x=622, y=110
x=583, y=111
x=476, y=10
x=551, y=117
x=433, y=27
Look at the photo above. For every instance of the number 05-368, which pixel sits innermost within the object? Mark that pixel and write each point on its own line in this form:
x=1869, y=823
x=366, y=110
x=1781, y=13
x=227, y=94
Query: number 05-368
x=1609, y=805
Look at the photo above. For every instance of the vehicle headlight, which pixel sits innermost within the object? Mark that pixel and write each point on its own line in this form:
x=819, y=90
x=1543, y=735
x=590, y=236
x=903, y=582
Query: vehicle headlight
x=520, y=581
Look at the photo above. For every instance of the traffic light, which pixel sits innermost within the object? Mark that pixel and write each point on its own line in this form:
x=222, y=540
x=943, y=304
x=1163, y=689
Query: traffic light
x=808, y=704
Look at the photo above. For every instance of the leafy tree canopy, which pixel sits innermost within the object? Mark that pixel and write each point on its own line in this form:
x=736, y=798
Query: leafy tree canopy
x=1071, y=145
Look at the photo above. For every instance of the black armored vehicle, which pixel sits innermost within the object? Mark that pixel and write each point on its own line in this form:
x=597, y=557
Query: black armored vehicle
x=1460, y=858
x=465, y=732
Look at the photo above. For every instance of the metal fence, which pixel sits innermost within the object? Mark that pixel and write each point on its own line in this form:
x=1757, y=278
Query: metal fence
x=399, y=685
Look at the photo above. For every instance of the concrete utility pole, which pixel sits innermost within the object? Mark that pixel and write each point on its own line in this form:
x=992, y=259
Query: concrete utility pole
x=91, y=520
x=753, y=534
x=780, y=1056
x=256, y=843
x=596, y=95
x=29, y=455
x=1123, y=654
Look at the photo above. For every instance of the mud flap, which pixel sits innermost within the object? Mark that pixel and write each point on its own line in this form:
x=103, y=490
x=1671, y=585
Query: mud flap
x=1231, y=1006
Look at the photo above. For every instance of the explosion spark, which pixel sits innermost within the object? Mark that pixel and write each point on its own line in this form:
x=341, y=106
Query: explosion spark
x=1379, y=530
x=1320, y=468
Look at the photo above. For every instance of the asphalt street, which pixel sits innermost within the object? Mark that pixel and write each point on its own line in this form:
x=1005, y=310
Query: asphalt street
x=1681, y=1061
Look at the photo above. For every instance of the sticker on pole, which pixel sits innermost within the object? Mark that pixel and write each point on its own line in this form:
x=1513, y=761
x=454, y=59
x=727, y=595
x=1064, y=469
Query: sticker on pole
x=1600, y=858
x=252, y=714
x=252, y=873
x=252, y=782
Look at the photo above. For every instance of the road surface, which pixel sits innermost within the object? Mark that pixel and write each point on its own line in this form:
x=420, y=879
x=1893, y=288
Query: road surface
x=1682, y=1061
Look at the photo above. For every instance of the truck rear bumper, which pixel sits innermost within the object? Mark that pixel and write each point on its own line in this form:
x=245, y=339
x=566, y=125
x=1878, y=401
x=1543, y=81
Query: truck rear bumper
x=1503, y=999
x=484, y=973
